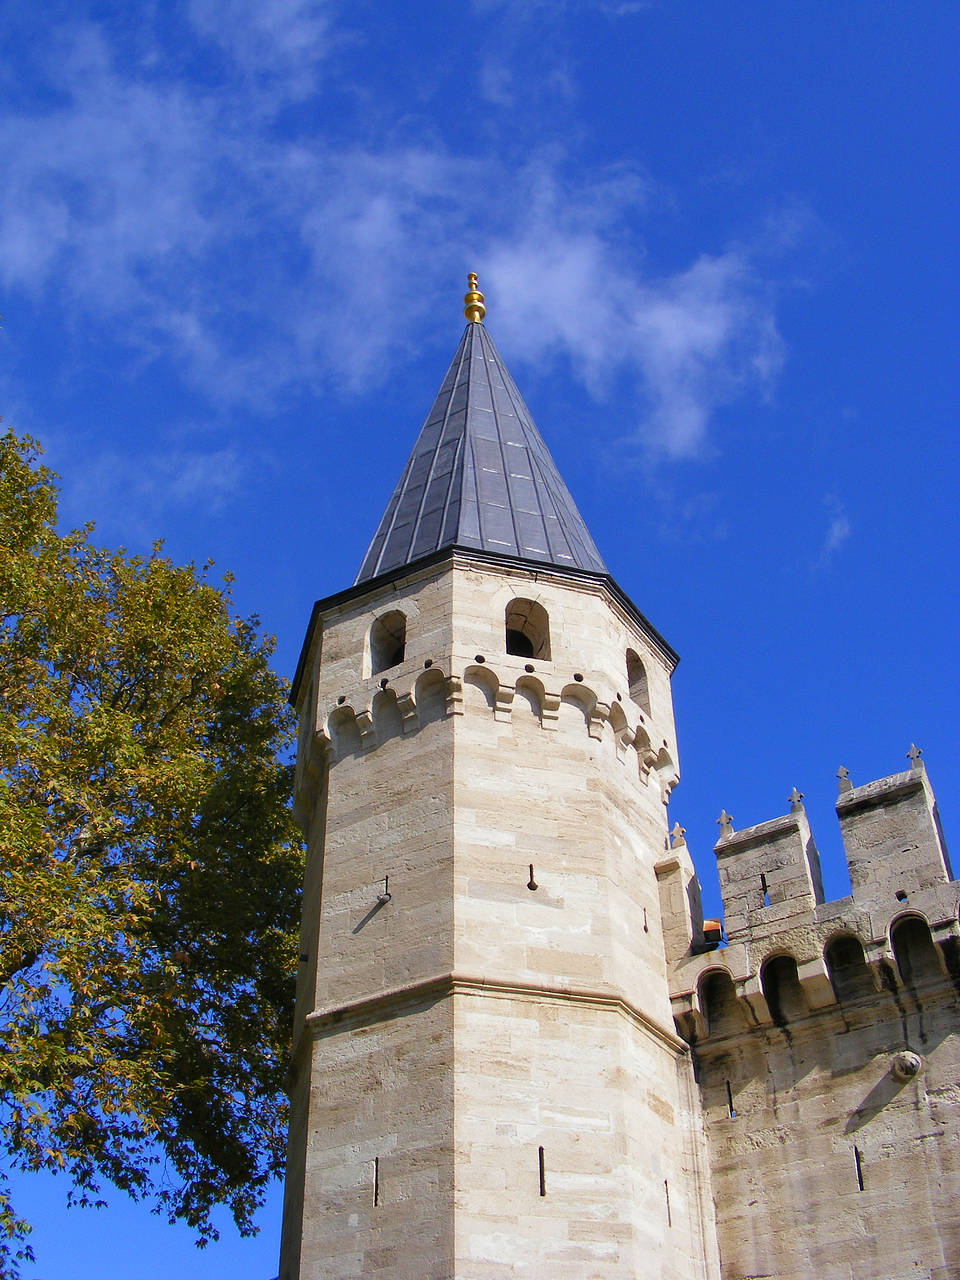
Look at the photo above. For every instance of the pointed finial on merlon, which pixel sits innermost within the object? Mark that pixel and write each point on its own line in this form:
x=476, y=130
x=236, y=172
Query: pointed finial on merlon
x=796, y=801
x=914, y=755
x=843, y=780
x=725, y=823
x=676, y=835
x=473, y=307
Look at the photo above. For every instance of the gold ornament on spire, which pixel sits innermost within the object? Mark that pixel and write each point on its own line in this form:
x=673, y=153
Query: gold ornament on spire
x=473, y=307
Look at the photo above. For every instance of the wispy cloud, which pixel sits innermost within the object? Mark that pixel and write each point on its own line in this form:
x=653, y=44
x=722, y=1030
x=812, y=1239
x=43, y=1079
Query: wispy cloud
x=136, y=490
x=112, y=190
x=496, y=82
x=838, y=531
x=158, y=207
x=286, y=39
x=686, y=342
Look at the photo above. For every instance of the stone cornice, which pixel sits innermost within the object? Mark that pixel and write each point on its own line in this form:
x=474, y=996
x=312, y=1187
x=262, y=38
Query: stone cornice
x=882, y=791
x=442, y=985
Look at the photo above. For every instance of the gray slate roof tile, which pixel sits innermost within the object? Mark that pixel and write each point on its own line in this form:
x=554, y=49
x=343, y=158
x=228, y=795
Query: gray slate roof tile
x=480, y=476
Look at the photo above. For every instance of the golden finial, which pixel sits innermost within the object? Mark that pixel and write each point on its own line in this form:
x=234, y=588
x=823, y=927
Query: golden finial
x=473, y=307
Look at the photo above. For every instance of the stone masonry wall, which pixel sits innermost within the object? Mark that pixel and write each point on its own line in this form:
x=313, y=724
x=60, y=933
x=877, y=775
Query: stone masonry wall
x=565, y=1042
x=370, y=1164
x=826, y=1039
x=453, y=1030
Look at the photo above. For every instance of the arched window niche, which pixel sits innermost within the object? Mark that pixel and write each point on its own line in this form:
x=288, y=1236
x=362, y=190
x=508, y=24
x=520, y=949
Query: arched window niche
x=847, y=968
x=527, y=629
x=782, y=991
x=637, y=681
x=719, y=1004
x=915, y=950
x=388, y=641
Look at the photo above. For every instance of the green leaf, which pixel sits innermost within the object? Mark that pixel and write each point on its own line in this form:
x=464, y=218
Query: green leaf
x=150, y=872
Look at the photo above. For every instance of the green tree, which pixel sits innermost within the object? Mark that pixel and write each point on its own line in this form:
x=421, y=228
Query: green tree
x=150, y=873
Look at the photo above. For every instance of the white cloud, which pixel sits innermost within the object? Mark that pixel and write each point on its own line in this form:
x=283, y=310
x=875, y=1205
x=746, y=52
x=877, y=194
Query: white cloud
x=387, y=235
x=109, y=192
x=139, y=491
x=687, y=342
x=496, y=82
x=286, y=39
x=176, y=217
x=838, y=530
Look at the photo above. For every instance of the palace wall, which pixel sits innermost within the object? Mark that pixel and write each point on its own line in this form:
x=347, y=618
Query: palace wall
x=825, y=1040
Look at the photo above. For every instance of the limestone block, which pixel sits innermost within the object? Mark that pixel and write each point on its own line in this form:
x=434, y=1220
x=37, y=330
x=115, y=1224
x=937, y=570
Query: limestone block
x=891, y=835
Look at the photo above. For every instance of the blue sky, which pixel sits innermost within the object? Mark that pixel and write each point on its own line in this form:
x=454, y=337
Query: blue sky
x=718, y=247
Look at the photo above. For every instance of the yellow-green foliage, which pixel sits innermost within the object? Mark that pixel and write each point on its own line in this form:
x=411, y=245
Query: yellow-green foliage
x=149, y=873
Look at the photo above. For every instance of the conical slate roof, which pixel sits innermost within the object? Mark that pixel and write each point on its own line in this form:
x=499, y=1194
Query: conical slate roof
x=480, y=477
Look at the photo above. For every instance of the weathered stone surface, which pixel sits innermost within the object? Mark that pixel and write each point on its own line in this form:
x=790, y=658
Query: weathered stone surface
x=827, y=1043
x=453, y=1031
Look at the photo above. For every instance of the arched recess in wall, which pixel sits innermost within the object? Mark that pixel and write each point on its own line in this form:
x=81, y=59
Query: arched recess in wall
x=431, y=697
x=388, y=641
x=576, y=703
x=637, y=681
x=719, y=1004
x=782, y=990
x=387, y=721
x=622, y=736
x=527, y=629
x=480, y=686
x=915, y=951
x=528, y=697
x=847, y=967
x=344, y=732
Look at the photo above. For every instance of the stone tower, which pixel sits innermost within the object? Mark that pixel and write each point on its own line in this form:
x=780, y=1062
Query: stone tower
x=487, y=1081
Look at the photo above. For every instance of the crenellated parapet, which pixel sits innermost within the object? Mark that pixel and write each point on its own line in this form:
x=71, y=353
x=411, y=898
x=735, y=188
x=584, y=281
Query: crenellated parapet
x=789, y=953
